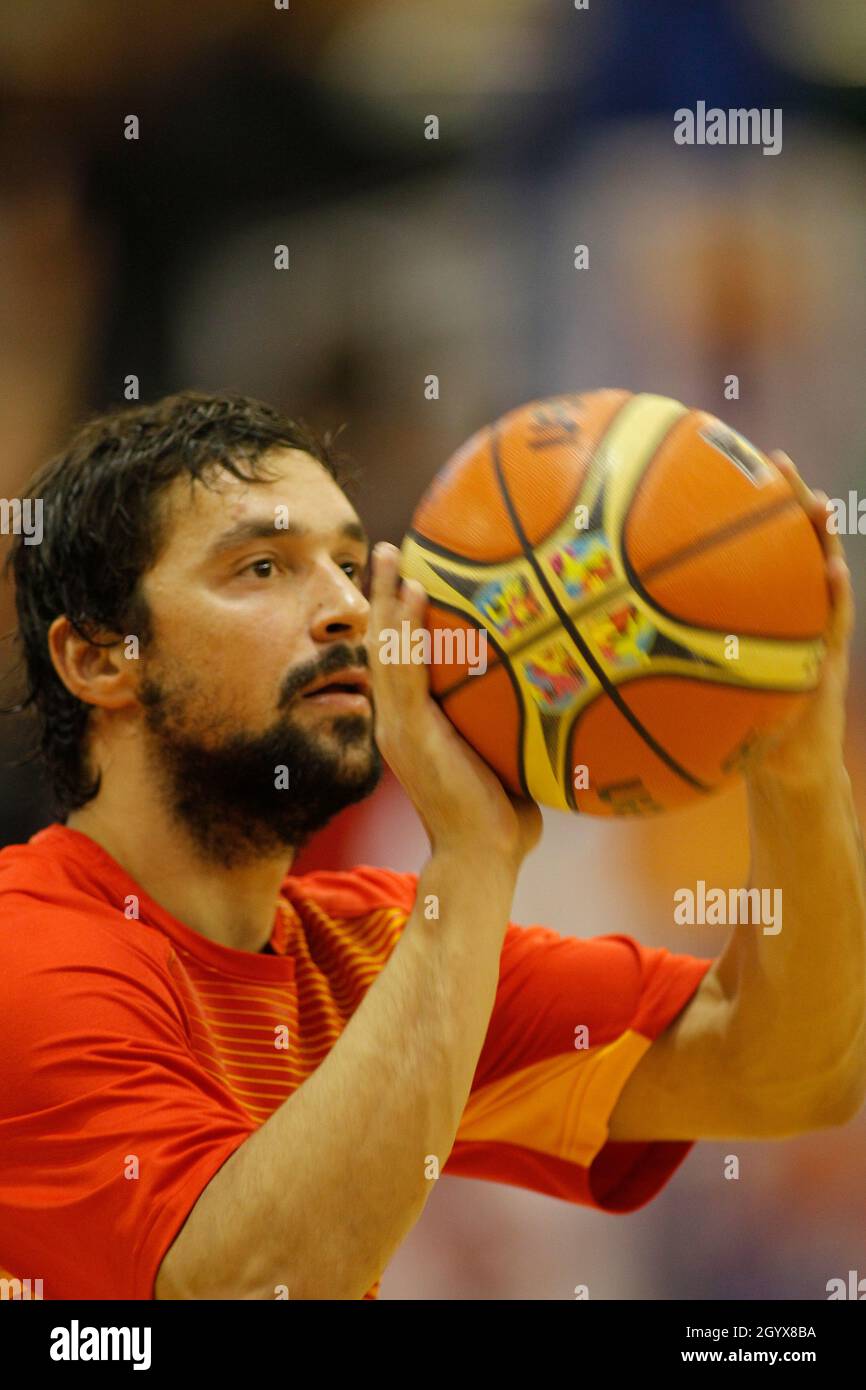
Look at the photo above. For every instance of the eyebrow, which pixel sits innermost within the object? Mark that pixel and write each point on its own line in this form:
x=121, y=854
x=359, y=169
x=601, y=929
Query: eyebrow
x=253, y=530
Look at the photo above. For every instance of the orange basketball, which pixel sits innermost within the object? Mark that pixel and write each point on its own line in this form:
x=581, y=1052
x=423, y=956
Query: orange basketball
x=623, y=594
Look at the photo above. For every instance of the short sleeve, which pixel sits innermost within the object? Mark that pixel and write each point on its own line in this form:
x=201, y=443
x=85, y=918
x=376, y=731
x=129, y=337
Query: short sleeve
x=571, y=1020
x=109, y=1127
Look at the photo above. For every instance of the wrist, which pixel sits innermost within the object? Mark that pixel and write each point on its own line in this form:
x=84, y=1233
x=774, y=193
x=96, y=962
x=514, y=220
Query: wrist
x=813, y=782
x=475, y=865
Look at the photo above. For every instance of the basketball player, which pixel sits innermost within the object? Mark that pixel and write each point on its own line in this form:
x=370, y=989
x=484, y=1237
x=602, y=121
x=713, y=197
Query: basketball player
x=219, y=1080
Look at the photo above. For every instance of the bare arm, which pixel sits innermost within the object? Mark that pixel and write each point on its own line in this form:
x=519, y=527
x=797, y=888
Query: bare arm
x=320, y=1197
x=774, y=1041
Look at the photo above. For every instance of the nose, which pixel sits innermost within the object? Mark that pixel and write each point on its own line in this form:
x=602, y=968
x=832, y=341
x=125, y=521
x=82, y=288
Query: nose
x=342, y=609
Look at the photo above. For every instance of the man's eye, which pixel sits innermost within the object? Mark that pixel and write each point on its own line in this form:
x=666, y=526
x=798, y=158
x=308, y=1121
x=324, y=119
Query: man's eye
x=256, y=566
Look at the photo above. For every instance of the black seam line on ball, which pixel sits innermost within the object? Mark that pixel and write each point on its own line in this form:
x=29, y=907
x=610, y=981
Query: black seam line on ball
x=634, y=582
x=506, y=666
x=658, y=567
x=609, y=689
x=666, y=563
x=615, y=591
x=639, y=677
x=599, y=600
x=712, y=538
x=447, y=554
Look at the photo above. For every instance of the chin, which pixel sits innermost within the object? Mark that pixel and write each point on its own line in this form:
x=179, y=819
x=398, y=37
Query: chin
x=351, y=732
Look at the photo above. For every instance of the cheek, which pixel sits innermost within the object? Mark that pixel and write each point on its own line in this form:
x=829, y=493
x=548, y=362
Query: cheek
x=237, y=661
x=247, y=667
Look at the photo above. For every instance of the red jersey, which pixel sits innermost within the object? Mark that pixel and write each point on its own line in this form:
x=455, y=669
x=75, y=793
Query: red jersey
x=138, y=1054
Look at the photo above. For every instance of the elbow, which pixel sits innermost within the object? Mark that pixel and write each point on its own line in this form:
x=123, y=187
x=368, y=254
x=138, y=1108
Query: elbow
x=843, y=1093
x=827, y=1097
x=172, y=1285
x=182, y=1278
x=840, y=1104
x=783, y=1112
x=324, y=1275
x=831, y=1105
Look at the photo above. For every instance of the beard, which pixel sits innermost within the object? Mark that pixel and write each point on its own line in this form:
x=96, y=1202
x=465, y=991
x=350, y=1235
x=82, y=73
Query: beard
x=243, y=797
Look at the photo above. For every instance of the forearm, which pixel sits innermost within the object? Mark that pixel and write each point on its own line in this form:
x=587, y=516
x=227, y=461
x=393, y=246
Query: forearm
x=798, y=996
x=320, y=1197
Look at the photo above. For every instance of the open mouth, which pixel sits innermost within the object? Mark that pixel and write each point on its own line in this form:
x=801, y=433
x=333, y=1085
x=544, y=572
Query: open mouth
x=336, y=685
x=349, y=694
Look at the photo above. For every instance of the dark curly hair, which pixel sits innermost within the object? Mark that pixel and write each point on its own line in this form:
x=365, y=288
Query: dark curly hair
x=102, y=530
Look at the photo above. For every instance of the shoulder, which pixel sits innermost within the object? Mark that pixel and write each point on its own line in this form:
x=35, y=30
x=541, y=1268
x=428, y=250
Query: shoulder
x=618, y=981
x=78, y=968
x=56, y=924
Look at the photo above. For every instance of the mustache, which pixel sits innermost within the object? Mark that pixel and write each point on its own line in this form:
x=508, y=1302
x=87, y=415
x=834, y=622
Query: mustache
x=337, y=658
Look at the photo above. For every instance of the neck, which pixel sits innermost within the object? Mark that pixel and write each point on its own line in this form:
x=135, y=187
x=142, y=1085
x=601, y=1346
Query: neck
x=232, y=905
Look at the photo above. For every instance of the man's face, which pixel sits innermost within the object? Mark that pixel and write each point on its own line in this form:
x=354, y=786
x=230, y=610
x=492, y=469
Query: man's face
x=257, y=594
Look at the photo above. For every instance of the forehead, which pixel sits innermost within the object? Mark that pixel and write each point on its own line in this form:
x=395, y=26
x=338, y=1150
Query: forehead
x=194, y=515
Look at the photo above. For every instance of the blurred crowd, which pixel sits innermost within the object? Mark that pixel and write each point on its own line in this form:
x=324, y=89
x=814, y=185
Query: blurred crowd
x=454, y=256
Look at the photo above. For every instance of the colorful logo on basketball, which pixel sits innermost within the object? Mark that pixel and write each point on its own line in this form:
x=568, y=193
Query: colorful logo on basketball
x=623, y=636
x=555, y=678
x=509, y=604
x=584, y=564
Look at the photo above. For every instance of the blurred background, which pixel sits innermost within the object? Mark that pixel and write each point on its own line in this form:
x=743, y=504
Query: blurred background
x=455, y=257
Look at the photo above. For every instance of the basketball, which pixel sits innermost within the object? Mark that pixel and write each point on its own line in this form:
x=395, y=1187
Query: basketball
x=623, y=595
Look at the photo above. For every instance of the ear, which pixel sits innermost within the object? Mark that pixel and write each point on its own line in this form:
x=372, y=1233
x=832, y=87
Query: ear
x=103, y=675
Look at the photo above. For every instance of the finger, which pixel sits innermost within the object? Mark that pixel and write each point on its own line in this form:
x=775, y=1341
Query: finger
x=819, y=515
x=390, y=600
x=385, y=571
x=785, y=464
x=393, y=588
x=789, y=471
x=841, y=623
x=414, y=598
x=815, y=503
x=383, y=603
x=830, y=537
x=396, y=611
